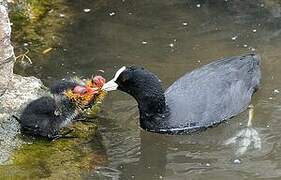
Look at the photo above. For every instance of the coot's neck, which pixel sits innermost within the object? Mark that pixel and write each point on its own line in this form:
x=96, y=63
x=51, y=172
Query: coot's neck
x=152, y=109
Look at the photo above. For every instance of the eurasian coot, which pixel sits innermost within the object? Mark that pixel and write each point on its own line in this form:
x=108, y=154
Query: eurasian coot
x=200, y=99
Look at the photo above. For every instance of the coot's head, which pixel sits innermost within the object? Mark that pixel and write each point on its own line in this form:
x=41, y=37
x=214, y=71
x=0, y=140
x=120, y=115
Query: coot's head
x=143, y=85
x=146, y=88
x=134, y=80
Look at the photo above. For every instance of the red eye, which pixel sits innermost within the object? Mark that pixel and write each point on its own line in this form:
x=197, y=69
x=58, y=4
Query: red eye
x=99, y=81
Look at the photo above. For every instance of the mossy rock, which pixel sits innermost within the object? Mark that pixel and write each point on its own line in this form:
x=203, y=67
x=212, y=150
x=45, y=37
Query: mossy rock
x=65, y=158
x=40, y=23
x=37, y=23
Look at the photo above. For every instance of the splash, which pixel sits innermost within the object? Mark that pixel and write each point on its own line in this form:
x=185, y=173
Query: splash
x=246, y=138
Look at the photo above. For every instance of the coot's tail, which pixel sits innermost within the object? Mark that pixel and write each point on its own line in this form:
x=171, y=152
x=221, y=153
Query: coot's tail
x=255, y=69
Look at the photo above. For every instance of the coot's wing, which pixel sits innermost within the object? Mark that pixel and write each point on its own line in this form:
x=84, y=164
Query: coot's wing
x=214, y=92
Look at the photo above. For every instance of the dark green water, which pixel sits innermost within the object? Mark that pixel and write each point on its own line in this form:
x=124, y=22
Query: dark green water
x=142, y=33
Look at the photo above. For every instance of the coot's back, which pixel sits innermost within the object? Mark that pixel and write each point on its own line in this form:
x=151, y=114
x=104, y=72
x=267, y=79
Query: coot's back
x=213, y=93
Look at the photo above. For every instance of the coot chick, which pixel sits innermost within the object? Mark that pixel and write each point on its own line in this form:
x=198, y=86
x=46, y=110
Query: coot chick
x=198, y=100
x=46, y=116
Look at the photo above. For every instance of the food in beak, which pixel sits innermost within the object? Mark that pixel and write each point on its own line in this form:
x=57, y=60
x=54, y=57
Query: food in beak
x=84, y=95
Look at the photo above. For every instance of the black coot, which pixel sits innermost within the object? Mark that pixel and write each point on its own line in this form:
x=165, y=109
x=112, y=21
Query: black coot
x=44, y=117
x=200, y=99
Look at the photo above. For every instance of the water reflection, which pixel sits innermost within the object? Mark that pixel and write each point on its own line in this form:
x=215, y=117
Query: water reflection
x=246, y=138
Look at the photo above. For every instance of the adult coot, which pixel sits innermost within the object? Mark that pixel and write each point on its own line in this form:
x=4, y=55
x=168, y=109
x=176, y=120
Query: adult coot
x=200, y=99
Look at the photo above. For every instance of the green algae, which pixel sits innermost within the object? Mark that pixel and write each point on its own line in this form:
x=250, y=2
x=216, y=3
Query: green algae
x=37, y=23
x=64, y=158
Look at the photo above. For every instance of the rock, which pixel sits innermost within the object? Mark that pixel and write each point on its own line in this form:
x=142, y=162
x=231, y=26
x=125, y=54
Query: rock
x=4, y=3
x=6, y=50
x=8, y=140
x=21, y=91
x=19, y=94
x=15, y=91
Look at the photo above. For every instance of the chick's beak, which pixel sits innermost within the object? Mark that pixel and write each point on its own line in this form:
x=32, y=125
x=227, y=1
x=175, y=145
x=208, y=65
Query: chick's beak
x=110, y=86
x=99, y=81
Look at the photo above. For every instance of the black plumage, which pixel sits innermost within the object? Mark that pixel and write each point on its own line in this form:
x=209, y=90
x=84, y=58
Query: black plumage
x=200, y=99
x=45, y=116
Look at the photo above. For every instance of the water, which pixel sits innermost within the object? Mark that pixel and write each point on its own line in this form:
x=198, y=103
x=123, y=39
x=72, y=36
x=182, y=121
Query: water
x=170, y=38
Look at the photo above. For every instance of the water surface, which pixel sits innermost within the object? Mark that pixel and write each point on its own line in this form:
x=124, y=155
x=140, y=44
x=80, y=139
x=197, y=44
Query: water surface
x=170, y=38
